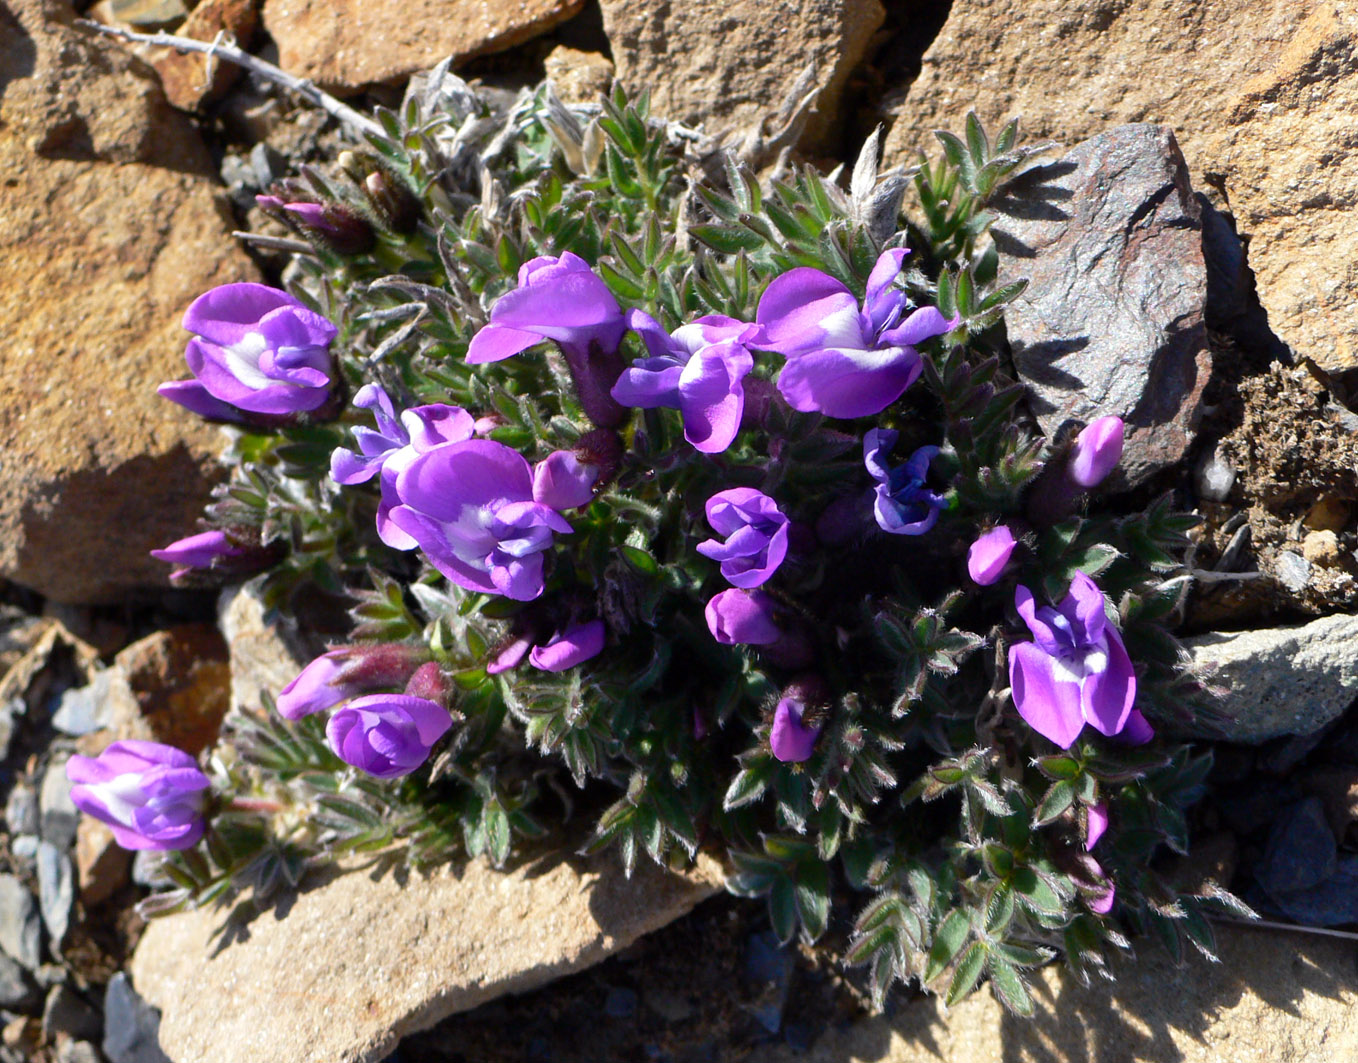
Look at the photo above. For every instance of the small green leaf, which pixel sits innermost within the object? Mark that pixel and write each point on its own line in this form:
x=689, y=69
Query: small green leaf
x=948, y=942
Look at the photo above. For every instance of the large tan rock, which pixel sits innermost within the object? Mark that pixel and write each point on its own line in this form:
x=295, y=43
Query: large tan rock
x=1261, y=95
x=364, y=959
x=730, y=63
x=109, y=227
x=1274, y=998
x=346, y=44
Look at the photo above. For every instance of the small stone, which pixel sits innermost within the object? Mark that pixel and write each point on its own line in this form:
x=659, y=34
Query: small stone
x=131, y=1026
x=21, y=809
x=78, y=1052
x=149, y=14
x=65, y=1012
x=1301, y=852
x=22, y=1034
x=58, y=811
x=1215, y=476
x=101, y=863
x=1333, y=902
x=769, y=964
x=672, y=1007
x=7, y=727
x=17, y=990
x=578, y=77
x=84, y=709
x=1293, y=571
x=20, y=923
x=185, y=76
x=56, y=890
x=265, y=656
x=1322, y=548
x=24, y=849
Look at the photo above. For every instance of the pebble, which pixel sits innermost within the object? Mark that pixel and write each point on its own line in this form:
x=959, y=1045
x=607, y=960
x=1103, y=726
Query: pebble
x=78, y=1052
x=21, y=809
x=1321, y=548
x=17, y=991
x=20, y=924
x=1215, y=476
x=82, y=710
x=1333, y=902
x=1301, y=851
x=56, y=890
x=24, y=849
x=767, y=962
x=66, y=1012
x=59, y=814
x=131, y=1026
x=1293, y=571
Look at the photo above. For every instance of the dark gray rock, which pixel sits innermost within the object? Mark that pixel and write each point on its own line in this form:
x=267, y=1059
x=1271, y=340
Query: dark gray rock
x=1110, y=239
x=18, y=992
x=1293, y=571
x=56, y=890
x=131, y=1026
x=1333, y=902
x=1301, y=851
x=769, y=964
x=21, y=809
x=20, y=924
x=66, y=1012
x=60, y=817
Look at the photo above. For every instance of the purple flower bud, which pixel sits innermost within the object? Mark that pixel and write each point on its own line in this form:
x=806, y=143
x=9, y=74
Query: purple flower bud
x=790, y=740
x=151, y=795
x=566, y=649
x=510, y=655
x=315, y=689
x=561, y=480
x=1096, y=822
x=332, y=225
x=1076, y=669
x=756, y=533
x=257, y=350
x=429, y=682
x=339, y=675
x=902, y=502
x=387, y=735
x=742, y=616
x=843, y=360
x=199, y=551
x=1098, y=448
x=989, y=554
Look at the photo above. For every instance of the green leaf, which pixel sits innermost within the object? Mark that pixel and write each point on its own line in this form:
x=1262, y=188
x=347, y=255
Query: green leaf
x=813, y=898
x=783, y=908
x=1058, y=798
x=948, y=942
x=968, y=973
x=1009, y=987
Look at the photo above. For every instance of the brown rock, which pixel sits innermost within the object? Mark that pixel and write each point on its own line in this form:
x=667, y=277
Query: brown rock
x=346, y=44
x=729, y=64
x=578, y=77
x=368, y=957
x=180, y=681
x=109, y=227
x=101, y=863
x=185, y=77
x=1273, y=998
x=265, y=654
x=1321, y=548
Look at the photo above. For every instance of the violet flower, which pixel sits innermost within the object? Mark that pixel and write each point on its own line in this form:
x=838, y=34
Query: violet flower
x=756, y=535
x=335, y=226
x=151, y=795
x=568, y=648
x=470, y=507
x=988, y=555
x=1075, y=671
x=1096, y=822
x=790, y=739
x=200, y=551
x=902, y=502
x=698, y=370
x=335, y=677
x=561, y=480
x=387, y=735
x=842, y=360
x=742, y=616
x=256, y=349
x=393, y=446
x=1098, y=449
x=561, y=299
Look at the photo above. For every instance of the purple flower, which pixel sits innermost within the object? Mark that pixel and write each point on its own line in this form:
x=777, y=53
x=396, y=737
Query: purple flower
x=387, y=735
x=842, y=360
x=470, y=507
x=337, y=676
x=566, y=649
x=334, y=225
x=1096, y=822
x=698, y=370
x=741, y=616
x=561, y=299
x=1075, y=671
x=561, y=480
x=256, y=349
x=756, y=535
x=790, y=740
x=393, y=446
x=1098, y=448
x=989, y=554
x=152, y=795
x=199, y=551
x=902, y=502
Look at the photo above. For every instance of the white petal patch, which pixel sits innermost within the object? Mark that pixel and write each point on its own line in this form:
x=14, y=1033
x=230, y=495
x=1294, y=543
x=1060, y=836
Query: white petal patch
x=242, y=360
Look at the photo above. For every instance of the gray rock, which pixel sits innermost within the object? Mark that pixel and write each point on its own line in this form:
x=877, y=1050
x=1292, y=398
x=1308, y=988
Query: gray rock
x=78, y=1052
x=85, y=709
x=769, y=964
x=20, y=924
x=1282, y=681
x=56, y=890
x=17, y=990
x=1301, y=852
x=1110, y=238
x=265, y=655
x=1293, y=571
x=1214, y=477
x=66, y=1012
x=60, y=817
x=6, y=727
x=21, y=809
x=24, y=849
x=131, y=1026
x=1332, y=902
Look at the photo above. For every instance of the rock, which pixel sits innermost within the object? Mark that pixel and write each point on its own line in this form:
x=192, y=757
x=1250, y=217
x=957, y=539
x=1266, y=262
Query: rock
x=365, y=958
x=180, y=682
x=1112, y=320
x=1337, y=789
x=1331, y=902
x=17, y=990
x=24, y=849
x=578, y=77
x=1274, y=997
x=21, y=809
x=65, y=1012
x=185, y=76
x=78, y=1052
x=23, y=1035
x=730, y=64
x=20, y=924
x=56, y=891
x=131, y=1026
x=1301, y=852
x=90, y=708
x=149, y=14
x=59, y=815
x=1322, y=548
x=265, y=655
x=1292, y=570
x=769, y=964
x=101, y=863
x=1282, y=681
x=344, y=45
x=109, y=227
x=1214, y=476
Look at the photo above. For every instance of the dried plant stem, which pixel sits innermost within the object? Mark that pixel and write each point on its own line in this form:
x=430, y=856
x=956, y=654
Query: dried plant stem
x=219, y=49
x=1269, y=924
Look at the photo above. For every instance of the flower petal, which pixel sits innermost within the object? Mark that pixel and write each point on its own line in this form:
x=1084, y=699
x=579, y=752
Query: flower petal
x=1107, y=695
x=1044, y=694
x=494, y=343
x=794, y=307
x=848, y=383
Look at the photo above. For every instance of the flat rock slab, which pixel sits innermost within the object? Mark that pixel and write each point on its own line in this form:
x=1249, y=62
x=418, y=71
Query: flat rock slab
x=1110, y=240
x=360, y=961
x=1274, y=998
x=1282, y=681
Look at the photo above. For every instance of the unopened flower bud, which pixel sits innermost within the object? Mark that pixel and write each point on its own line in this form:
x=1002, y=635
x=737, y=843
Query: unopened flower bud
x=393, y=203
x=337, y=676
x=213, y=557
x=1098, y=448
x=430, y=682
x=989, y=554
x=570, y=647
x=790, y=739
